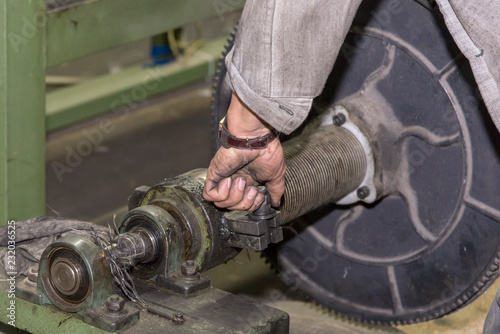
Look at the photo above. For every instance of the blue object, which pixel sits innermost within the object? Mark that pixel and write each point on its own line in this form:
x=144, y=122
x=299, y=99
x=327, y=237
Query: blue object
x=160, y=55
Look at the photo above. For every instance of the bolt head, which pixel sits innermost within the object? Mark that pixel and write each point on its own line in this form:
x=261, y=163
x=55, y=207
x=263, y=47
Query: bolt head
x=189, y=268
x=115, y=303
x=114, y=298
x=339, y=119
x=363, y=192
x=179, y=318
x=33, y=274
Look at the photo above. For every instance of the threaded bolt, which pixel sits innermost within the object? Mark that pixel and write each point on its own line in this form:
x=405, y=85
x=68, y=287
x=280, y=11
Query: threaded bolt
x=339, y=119
x=179, y=318
x=363, y=192
x=115, y=303
x=33, y=274
x=189, y=268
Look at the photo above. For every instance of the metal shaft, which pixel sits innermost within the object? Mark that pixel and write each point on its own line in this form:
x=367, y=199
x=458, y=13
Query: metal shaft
x=322, y=167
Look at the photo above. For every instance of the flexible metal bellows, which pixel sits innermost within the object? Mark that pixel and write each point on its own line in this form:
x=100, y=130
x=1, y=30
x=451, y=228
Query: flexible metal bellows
x=322, y=167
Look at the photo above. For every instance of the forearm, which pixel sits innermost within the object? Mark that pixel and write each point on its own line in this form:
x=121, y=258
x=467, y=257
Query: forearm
x=242, y=122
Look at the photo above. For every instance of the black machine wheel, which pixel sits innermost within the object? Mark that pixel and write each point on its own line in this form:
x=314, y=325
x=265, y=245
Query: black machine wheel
x=431, y=245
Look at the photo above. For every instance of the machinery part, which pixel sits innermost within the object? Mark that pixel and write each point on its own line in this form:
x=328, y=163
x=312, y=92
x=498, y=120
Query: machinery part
x=115, y=304
x=74, y=274
x=27, y=289
x=233, y=314
x=179, y=318
x=314, y=175
x=430, y=244
x=367, y=190
x=32, y=277
x=161, y=237
x=135, y=198
x=186, y=282
x=255, y=230
x=75, y=277
x=197, y=314
x=189, y=269
x=187, y=226
x=114, y=315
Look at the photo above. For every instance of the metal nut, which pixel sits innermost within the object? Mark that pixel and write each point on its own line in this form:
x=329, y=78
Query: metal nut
x=115, y=303
x=179, y=318
x=189, y=268
x=33, y=274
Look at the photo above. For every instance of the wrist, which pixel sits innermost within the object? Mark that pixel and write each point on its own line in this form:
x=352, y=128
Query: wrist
x=244, y=123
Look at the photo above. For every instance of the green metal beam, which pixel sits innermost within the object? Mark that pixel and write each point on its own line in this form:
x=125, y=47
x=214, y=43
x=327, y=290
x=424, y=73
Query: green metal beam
x=129, y=87
x=22, y=109
x=97, y=25
x=42, y=319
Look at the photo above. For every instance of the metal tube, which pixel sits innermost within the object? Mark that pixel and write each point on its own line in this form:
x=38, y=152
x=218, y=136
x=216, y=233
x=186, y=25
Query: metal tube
x=323, y=166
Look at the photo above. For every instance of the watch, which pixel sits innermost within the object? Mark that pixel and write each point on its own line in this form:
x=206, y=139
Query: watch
x=227, y=140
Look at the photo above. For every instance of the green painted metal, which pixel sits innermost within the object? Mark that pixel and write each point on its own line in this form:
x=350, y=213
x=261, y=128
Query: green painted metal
x=44, y=319
x=31, y=39
x=97, y=25
x=129, y=87
x=100, y=280
x=22, y=109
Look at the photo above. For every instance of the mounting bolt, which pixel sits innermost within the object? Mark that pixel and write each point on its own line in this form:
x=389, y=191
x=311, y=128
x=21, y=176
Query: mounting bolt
x=179, y=318
x=115, y=303
x=363, y=192
x=189, y=268
x=33, y=274
x=339, y=119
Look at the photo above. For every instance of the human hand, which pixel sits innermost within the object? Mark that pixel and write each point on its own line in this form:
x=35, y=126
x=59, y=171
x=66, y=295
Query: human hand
x=233, y=174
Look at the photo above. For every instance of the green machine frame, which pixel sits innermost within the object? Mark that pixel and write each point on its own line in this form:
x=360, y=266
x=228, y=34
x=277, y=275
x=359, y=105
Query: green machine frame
x=34, y=38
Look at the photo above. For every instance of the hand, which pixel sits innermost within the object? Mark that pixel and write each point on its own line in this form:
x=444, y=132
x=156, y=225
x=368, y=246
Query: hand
x=233, y=173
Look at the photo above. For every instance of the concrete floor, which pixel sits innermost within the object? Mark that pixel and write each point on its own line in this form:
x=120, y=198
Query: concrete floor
x=165, y=137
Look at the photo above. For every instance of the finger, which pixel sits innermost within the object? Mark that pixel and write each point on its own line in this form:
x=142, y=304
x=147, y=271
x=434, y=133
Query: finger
x=223, y=165
x=276, y=188
x=217, y=192
x=247, y=201
x=257, y=202
x=214, y=173
x=236, y=193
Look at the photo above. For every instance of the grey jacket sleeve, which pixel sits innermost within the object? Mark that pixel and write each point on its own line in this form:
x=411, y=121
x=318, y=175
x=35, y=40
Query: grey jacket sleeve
x=283, y=54
x=475, y=27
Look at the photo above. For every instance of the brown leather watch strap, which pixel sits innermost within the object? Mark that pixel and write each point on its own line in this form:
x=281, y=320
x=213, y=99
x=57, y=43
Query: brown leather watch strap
x=227, y=140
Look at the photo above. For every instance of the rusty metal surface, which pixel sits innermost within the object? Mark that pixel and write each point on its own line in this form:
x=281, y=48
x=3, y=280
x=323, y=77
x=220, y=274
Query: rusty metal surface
x=214, y=311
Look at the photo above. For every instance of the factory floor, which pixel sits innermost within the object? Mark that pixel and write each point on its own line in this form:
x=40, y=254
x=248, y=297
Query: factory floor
x=165, y=137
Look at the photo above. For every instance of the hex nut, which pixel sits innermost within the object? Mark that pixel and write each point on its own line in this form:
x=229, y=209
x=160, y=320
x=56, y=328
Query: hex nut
x=179, y=318
x=33, y=274
x=189, y=268
x=115, y=303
